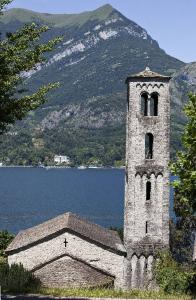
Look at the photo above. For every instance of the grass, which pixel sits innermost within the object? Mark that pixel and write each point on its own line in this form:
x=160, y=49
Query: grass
x=108, y=293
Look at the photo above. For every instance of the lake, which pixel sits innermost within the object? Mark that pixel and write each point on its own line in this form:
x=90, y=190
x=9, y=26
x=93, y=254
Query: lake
x=29, y=196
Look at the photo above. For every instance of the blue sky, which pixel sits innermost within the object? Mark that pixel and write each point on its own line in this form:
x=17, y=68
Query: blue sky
x=171, y=22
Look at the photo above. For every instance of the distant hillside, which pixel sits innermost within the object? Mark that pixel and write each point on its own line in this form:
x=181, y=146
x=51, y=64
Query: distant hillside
x=183, y=82
x=58, y=20
x=85, y=117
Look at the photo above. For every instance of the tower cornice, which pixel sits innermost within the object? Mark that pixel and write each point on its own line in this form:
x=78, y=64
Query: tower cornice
x=147, y=74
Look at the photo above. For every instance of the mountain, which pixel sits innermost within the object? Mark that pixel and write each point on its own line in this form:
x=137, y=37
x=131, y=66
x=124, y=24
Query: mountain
x=182, y=83
x=85, y=117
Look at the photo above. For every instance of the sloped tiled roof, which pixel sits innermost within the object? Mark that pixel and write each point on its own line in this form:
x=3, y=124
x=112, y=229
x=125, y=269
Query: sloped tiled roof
x=109, y=239
x=147, y=73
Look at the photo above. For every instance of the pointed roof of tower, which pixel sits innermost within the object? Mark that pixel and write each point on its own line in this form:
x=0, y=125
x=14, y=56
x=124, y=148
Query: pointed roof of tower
x=147, y=73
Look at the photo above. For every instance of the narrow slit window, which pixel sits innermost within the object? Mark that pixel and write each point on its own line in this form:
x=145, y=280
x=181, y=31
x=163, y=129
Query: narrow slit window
x=144, y=104
x=149, y=146
x=146, y=227
x=148, y=190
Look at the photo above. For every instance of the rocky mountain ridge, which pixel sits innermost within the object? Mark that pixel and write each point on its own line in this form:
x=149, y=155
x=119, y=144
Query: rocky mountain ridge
x=86, y=115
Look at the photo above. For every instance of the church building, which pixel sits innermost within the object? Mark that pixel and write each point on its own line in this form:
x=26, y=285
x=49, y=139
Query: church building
x=69, y=251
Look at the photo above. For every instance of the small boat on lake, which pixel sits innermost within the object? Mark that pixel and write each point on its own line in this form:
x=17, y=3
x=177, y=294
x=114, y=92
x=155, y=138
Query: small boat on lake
x=82, y=168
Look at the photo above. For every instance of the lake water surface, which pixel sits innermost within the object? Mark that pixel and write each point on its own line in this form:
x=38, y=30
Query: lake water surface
x=29, y=196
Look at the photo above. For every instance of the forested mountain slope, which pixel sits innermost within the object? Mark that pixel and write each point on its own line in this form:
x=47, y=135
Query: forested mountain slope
x=85, y=117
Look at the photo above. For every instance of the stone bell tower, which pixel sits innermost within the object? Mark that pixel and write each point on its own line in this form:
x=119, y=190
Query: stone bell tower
x=146, y=222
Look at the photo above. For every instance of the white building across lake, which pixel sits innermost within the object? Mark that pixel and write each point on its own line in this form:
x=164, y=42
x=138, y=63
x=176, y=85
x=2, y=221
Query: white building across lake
x=60, y=159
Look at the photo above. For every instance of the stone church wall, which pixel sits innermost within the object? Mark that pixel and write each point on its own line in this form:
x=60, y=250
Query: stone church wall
x=67, y=272
x=77, y=247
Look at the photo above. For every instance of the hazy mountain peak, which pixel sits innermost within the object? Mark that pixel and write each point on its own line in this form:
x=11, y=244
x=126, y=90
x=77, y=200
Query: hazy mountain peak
x=59, y=20
x=18, y=14
x=106, y=9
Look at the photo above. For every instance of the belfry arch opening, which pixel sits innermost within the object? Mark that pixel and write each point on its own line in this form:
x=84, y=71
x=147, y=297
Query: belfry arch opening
x=148, y=190
x=149, y=104
x=144, y=104
x=154, y=104
x=149, y=146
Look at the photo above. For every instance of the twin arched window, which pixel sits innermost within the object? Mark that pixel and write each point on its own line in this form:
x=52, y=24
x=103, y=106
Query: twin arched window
x=149, y=104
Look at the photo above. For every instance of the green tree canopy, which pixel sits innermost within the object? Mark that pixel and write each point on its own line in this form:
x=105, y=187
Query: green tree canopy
x=185, y=190
x=21, y=52
x=5, y=240
x=185, y=166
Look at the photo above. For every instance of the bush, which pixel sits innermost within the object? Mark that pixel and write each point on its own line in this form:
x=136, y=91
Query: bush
x=171, y=277
x=5, y=240
x=15, y=279
x=119, y=230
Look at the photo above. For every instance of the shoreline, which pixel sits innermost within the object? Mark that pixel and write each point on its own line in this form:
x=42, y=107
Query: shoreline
x=63, y=167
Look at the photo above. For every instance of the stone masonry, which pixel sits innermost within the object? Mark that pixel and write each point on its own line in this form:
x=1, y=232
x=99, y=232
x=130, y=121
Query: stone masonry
x=146, y=215
x=69, y=272
x=69, y=251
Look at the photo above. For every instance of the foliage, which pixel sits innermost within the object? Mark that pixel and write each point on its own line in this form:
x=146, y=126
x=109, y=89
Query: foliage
x=185, y=166
x=3, y=3
x=181, y=242
x=119, y=230
x=21, y=52
x=185, y=189
x=119, y=163
x=15, y=279
x=5, y=240
x=171, y=278
x=109, y=293
x=83, y=146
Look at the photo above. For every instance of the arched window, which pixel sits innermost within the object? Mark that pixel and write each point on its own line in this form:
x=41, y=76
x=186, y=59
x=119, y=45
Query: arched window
x=149, y=146
x=144, y=104
x=154, y=104
x=148, y=190
x=149, y=106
